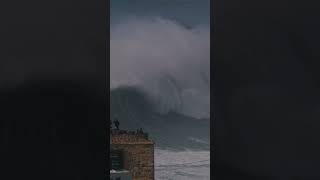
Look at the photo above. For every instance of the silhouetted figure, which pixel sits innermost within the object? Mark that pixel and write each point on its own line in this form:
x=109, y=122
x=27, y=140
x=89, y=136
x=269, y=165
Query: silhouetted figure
x=140, y=131
x=116, y=123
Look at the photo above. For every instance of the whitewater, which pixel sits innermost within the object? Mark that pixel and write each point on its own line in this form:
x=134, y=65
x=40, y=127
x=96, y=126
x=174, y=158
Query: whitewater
x=160, y=81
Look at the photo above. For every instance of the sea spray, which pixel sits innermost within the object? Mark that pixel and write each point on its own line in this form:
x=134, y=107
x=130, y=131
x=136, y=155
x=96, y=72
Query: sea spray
x=166, y=61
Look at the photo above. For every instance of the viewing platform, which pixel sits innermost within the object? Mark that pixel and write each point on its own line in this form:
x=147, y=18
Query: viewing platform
x=129, y=137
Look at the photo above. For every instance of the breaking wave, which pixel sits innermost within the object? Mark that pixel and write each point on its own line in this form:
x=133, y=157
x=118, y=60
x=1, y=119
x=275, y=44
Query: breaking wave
x=160, y=65
x=136, y=109
x=160, y=77
x=160, y=81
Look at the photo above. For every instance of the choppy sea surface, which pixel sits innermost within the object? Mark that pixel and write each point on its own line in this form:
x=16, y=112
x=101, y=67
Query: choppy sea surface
x=182, y=165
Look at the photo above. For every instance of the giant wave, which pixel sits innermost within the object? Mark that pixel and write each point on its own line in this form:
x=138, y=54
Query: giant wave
x=160, y=80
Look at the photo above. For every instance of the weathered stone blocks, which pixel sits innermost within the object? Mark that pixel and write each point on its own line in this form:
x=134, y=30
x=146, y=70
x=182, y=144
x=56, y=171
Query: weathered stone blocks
x=138, y=154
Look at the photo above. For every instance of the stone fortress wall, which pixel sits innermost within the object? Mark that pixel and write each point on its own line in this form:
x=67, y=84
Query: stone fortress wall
x=138, y=154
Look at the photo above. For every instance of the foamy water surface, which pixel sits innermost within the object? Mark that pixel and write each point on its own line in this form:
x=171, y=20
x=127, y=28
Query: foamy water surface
x=182, y=165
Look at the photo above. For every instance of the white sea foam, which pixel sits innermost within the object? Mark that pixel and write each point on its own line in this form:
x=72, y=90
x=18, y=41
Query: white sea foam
x=182, y=165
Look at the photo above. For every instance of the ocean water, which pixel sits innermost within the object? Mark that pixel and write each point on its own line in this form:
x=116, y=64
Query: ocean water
x=182, y=165
x=160, y=80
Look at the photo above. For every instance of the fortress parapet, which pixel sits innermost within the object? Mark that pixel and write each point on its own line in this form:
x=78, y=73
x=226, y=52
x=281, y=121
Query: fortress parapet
x=129, y=137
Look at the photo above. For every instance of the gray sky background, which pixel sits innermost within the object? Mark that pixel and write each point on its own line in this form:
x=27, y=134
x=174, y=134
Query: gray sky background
x=189, y=12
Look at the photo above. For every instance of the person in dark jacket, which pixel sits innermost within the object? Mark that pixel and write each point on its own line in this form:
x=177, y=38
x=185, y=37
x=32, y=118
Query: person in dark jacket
x=116, y=123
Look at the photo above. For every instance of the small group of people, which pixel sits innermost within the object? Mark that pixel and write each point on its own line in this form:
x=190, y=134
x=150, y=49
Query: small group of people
x=139, y=131
x=118, y=131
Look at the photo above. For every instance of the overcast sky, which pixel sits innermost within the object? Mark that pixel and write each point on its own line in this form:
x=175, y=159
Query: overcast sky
x=190, y=12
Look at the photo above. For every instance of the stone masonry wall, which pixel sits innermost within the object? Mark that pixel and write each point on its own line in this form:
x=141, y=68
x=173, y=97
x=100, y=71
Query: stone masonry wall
x=138, y=155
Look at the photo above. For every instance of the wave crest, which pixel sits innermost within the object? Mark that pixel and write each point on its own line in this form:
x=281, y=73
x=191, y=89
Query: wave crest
x=166, y=64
